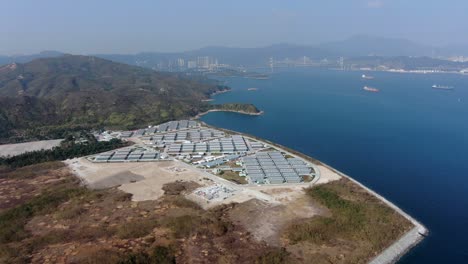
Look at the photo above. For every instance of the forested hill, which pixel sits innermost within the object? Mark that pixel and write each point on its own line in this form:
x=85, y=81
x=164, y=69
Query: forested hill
x=235, y=107
x=71, y=91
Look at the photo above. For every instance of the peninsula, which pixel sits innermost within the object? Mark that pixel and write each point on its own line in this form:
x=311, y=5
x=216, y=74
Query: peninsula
x=246, y=109
x=187, y=192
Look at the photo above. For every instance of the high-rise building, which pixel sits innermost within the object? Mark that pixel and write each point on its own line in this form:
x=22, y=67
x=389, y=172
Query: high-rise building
x=203, y=62
x=180, y=62
x=191, y=64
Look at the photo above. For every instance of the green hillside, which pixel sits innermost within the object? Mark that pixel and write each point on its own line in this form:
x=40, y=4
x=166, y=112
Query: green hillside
x=49, y=95
x=236, y=107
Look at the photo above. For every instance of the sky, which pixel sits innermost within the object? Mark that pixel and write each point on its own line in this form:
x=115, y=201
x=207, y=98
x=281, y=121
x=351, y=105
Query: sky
x=124, y=26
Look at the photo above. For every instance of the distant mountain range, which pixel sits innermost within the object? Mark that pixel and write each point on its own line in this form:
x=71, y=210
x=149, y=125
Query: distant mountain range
x=28, y=58
x=362, y=45
x=357, y=46
x=68, y=91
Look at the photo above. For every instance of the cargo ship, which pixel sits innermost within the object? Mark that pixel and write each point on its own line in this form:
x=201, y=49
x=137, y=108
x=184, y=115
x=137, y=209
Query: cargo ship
x=367, y=77
x=370, y=89
x=442, y=87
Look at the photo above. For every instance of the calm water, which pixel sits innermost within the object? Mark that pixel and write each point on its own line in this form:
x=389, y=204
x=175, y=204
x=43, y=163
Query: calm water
x=409, y=142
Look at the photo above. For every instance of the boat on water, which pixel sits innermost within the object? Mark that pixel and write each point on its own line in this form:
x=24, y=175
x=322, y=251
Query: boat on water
x=442, y=87
x=252, y=89
x=370, y=89
x=367, y=77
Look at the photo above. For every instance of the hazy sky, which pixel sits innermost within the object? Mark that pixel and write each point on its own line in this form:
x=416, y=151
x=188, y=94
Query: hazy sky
x=125, y=26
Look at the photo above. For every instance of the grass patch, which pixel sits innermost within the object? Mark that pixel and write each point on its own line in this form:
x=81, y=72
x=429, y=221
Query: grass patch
x=276, y=256
x=159, y=254
x=183, y=226
x=99, y=256
x=356, y=218
x=209, y=223
x=31, y=171
x=233, y=176
x=12, y=221
x=183, y=202
x=75, y=211
x=137, y=228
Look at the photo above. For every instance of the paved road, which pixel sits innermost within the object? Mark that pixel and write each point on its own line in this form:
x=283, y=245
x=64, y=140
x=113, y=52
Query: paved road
x=400, y=247
x=16, y=149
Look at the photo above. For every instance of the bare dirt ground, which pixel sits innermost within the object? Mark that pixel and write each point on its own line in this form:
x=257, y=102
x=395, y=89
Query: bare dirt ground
x=327, y=175
x=16, y=149
x=143, y=180
x=266, y=221
x=105, y=226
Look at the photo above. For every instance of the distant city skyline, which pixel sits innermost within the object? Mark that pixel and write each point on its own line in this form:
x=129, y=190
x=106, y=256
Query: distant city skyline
x=90, y=27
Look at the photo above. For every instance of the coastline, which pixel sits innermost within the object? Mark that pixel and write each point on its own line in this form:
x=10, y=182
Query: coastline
x=210, y=99
x=199, y=115
x=399, y=247
x=406, y=242
x=405, y=71
x=219, y=92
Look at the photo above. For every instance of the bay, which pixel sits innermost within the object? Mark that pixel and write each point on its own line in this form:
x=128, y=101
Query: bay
x=408, y=142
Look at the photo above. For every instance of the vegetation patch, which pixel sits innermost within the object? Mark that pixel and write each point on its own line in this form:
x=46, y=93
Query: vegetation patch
x=179, y=187
x=356, y=219
x=184, y=225
x=276, y=256
x=159, y=254
x=12, y=221
x=137, y=228
x=232, y=176
x=70, y=91
x=236, y=107
x=30, y=171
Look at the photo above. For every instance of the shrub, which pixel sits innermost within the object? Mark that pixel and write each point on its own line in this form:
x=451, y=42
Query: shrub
x=159, y=255
x=137, y=228
x=12, y=221
x=183, y=226
x=276, y=256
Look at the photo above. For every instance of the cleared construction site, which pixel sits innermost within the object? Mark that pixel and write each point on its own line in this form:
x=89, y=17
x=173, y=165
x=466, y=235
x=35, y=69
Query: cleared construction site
x=211, y=150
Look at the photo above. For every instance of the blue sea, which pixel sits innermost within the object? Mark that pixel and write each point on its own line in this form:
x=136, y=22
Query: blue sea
x=408, y=142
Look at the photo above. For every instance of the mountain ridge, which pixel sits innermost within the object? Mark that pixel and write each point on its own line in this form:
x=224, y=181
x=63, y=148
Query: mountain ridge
x=354, y=46
x=82, y=90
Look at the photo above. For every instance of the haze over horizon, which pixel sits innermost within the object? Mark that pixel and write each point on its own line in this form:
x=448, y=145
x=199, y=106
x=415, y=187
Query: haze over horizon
x=90, y=27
